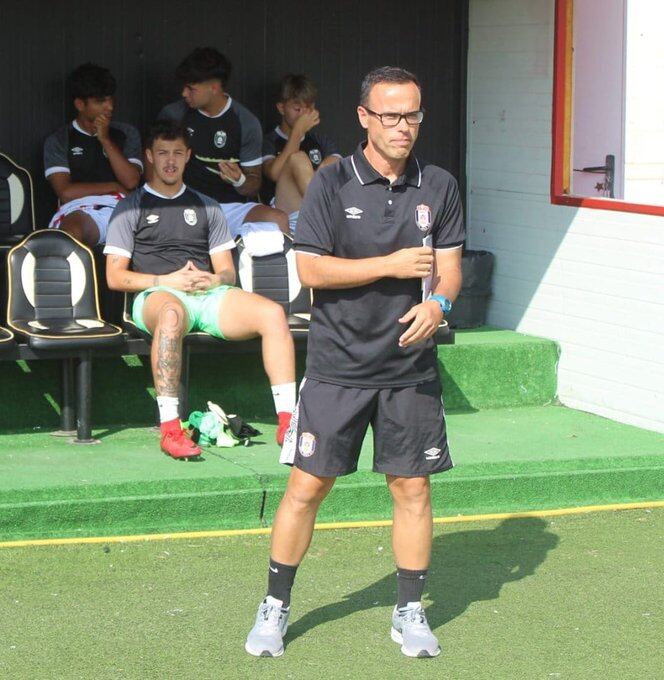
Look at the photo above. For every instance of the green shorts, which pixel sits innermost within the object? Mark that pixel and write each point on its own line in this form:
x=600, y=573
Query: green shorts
x=202, y=308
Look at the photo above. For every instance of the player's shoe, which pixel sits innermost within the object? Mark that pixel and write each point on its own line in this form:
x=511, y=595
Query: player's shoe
x=284, y=423
x=175, y=443
x=411, y=630
x=266, y=638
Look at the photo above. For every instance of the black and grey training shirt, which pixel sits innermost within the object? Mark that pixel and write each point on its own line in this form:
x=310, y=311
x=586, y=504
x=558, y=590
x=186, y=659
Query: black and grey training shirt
x=232, y=135
x=80, y=154
x=160, y=234
x=352, y=211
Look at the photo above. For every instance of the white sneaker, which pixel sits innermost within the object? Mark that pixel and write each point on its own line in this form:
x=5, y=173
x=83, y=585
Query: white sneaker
x=266, y=638
x=411, y=630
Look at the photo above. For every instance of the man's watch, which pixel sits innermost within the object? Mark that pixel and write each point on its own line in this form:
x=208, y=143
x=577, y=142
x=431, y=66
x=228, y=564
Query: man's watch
x=444, y=304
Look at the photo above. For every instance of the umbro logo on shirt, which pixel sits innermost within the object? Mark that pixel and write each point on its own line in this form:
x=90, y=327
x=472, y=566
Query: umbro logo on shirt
x=152, y=219
x=432, y=454
x=76, y=151
x=353, y=213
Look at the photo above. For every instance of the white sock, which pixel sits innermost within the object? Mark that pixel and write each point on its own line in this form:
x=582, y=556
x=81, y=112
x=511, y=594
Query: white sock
x=284, y=397
x=168, y=408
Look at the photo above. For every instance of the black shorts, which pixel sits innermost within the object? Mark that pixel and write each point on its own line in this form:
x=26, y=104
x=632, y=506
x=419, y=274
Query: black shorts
x=330, y=422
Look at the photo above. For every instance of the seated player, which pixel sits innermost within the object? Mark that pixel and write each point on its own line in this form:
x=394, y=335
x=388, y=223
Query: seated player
x=171, y=246
x=292, y=152
x=92, y=161
x=226, y=140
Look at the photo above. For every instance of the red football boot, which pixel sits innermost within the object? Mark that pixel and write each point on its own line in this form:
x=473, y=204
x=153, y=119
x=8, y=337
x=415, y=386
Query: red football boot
x=175, y=443
x=284, y=424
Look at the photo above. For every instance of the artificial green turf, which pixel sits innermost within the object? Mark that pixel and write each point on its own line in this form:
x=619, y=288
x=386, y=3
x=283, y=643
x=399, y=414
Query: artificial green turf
x=484, y=369
x=575, y=598
x=506, y=460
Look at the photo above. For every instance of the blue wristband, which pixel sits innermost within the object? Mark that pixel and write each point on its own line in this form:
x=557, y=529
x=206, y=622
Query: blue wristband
x=444, y=304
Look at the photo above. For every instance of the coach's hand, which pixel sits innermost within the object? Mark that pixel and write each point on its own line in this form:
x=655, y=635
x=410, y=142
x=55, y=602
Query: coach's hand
x=410, y=263
x=425, y=318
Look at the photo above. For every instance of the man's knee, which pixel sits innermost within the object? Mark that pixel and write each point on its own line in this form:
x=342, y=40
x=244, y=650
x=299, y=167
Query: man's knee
x=299, y=161
x=75, y=225
x=271, y=318
x=411, y=492
x=171, y=318
x=306, y=491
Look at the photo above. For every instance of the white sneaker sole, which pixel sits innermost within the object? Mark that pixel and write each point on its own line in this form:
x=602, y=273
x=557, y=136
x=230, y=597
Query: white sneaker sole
x=262, y=652
x=419, y=654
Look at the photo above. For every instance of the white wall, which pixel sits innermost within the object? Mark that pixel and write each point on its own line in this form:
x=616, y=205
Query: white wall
x=591, y=279
x=644, y=125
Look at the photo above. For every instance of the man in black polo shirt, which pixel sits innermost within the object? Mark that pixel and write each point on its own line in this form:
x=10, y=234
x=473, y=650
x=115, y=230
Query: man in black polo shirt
x=92, y=161
x=226, y=140
x=375, y=233
x=171, y=246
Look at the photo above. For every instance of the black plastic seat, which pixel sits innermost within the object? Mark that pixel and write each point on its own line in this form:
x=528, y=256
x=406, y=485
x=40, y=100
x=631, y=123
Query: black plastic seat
x=53, y=297
x=6, y=340
x=275, y=277
x=17, y=216
x=54, y=307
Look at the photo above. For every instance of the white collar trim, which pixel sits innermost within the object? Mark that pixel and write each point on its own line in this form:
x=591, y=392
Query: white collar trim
x=76, y=126
x=150, y=190
x=221, y=113
x=283, y=135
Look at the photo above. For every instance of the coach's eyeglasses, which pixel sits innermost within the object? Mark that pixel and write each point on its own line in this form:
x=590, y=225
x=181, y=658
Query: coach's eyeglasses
x=393, y=119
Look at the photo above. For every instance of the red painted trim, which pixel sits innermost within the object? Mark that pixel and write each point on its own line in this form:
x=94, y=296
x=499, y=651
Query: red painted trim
x=558, y=132
x=558, y=127
x=607, y=204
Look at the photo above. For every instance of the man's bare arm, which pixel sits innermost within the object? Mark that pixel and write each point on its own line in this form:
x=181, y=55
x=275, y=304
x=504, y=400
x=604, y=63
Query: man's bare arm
x=222, y=264
x=66, y=190
x=120, y=277
x=326, y=271
x=127, y=174
x=424, y=318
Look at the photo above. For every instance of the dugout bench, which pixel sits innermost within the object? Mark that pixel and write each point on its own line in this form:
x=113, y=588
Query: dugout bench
x=53, y=306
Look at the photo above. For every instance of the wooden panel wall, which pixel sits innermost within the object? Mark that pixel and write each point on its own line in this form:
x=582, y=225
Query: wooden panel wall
x=143, y=41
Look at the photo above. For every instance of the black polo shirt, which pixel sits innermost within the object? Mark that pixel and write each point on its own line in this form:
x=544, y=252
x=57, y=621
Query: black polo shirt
x=352, y=211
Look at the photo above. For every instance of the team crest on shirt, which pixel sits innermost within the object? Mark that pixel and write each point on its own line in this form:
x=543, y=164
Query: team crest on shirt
x=423, y=216
x=315, y=156
x=220, y=138
x=76, y=151
x=307, y=444
x=190, y=217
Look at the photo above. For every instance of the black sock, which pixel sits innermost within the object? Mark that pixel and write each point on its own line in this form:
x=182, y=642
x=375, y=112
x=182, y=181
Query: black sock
x=280, y=581
x=410, y=585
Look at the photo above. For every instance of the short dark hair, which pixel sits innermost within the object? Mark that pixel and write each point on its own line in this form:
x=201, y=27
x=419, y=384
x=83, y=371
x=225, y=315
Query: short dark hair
x=298, y=86
x=204, y=63
x=89, y=80
x=385, y=74
x=168, y=130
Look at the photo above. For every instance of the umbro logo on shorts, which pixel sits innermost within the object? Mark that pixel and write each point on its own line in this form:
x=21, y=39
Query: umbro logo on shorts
x=353, y=213
x=432, y=453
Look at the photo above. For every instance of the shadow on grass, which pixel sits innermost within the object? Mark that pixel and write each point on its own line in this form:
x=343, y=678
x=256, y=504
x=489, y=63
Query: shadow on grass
x=466, y=567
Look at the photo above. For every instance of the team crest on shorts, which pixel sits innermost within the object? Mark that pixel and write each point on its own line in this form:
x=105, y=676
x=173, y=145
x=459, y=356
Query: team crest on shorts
x=190, y=217
x=315, y=156
x=220, y=138
x=423, y=216
x=307, y=444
